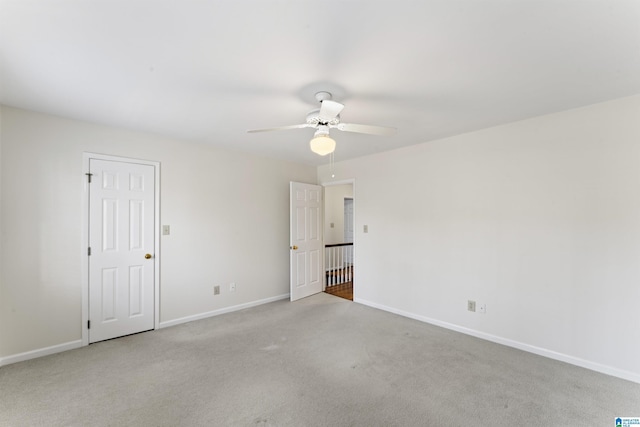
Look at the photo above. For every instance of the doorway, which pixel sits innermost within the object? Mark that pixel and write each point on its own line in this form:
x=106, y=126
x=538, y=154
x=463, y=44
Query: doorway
x=122, y=254
x=339, y=239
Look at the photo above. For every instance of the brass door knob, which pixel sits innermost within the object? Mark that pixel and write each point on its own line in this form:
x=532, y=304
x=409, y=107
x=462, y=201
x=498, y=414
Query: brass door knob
x=147, y=256
x=294, y=247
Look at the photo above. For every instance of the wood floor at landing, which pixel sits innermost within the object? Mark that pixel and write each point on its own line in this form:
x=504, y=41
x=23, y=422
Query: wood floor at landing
x=343, y=290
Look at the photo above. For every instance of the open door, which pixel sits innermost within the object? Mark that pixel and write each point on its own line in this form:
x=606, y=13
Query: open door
x=306, y=240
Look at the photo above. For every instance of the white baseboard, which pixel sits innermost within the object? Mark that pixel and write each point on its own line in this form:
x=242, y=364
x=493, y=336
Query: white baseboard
x=21, y=357
x=608, y=370
x=218, y=312
x=7, y=360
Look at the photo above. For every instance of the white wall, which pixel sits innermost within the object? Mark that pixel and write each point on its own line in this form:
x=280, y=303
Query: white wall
x=2, y=351
x=334, y=196
x=539, y=220
x=228, y=212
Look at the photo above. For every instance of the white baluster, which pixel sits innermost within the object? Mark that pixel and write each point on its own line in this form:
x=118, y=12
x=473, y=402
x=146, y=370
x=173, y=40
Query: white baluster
x=335, y=264
x=330, y=267
x=348, y=263
x=341, y=264
x=326, y=259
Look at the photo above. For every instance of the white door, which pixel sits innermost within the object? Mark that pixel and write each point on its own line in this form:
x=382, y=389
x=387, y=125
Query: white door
x=348, y=220
x=306, y=241
x=121, y=254
x=348, y=231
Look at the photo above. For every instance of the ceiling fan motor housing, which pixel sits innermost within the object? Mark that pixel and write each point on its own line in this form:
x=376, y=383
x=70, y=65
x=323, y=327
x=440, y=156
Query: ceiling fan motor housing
x=313, y=118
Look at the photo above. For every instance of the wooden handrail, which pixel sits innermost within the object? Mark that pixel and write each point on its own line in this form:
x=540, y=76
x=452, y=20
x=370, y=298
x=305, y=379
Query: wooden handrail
x=338, y=244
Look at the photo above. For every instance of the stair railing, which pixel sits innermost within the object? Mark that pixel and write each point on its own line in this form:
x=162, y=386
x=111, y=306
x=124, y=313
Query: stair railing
x=338, y=260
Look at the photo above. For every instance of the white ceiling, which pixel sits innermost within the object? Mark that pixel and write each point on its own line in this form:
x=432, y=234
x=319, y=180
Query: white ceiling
x=208, y=70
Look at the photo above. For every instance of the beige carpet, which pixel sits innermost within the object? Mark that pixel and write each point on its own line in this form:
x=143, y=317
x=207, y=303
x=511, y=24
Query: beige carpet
x=321, y=361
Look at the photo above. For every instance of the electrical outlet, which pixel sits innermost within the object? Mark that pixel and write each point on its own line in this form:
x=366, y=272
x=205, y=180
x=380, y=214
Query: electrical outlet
x=232, y=287
x=471, y=305
x=166, y=230
x=365, y=228
x=483, y=308
x=216, y=290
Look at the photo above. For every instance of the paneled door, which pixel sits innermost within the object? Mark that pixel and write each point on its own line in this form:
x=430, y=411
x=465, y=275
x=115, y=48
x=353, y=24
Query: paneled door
x=348, y=229
x=121, y=248
x=306, y=240
x=348, y=220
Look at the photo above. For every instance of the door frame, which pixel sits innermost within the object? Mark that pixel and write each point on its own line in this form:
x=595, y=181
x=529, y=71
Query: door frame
x=86, y=156
x=351, y=181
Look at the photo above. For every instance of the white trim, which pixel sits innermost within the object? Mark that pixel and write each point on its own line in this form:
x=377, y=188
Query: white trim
x=608, y=370
x=33, y=354
x=59, y=348
x=220, y=311
x=85, y=235
x=341, y=182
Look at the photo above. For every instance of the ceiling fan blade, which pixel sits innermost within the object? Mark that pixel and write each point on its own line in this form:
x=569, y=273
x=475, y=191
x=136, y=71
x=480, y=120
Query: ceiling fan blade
x=329, y=110
x=304, y=125
x=371, y=130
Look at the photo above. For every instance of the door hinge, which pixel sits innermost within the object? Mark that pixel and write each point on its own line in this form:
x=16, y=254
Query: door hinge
x=89, y=175
x=88, y=324
x=89, y=251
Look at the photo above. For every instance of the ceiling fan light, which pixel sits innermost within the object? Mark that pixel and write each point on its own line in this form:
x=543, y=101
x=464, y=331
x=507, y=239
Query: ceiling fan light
x=322, y=145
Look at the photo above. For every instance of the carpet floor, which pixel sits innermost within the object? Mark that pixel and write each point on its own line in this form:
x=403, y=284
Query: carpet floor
x=320, y=361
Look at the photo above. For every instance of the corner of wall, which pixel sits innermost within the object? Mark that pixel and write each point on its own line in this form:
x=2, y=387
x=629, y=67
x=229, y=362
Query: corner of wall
x=1, y=233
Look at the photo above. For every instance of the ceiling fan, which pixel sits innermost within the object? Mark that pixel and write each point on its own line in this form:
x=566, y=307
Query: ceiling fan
x=328, y=117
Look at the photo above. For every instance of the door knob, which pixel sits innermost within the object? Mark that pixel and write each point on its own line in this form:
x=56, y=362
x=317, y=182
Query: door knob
x=294, y=247
x=147, y=256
